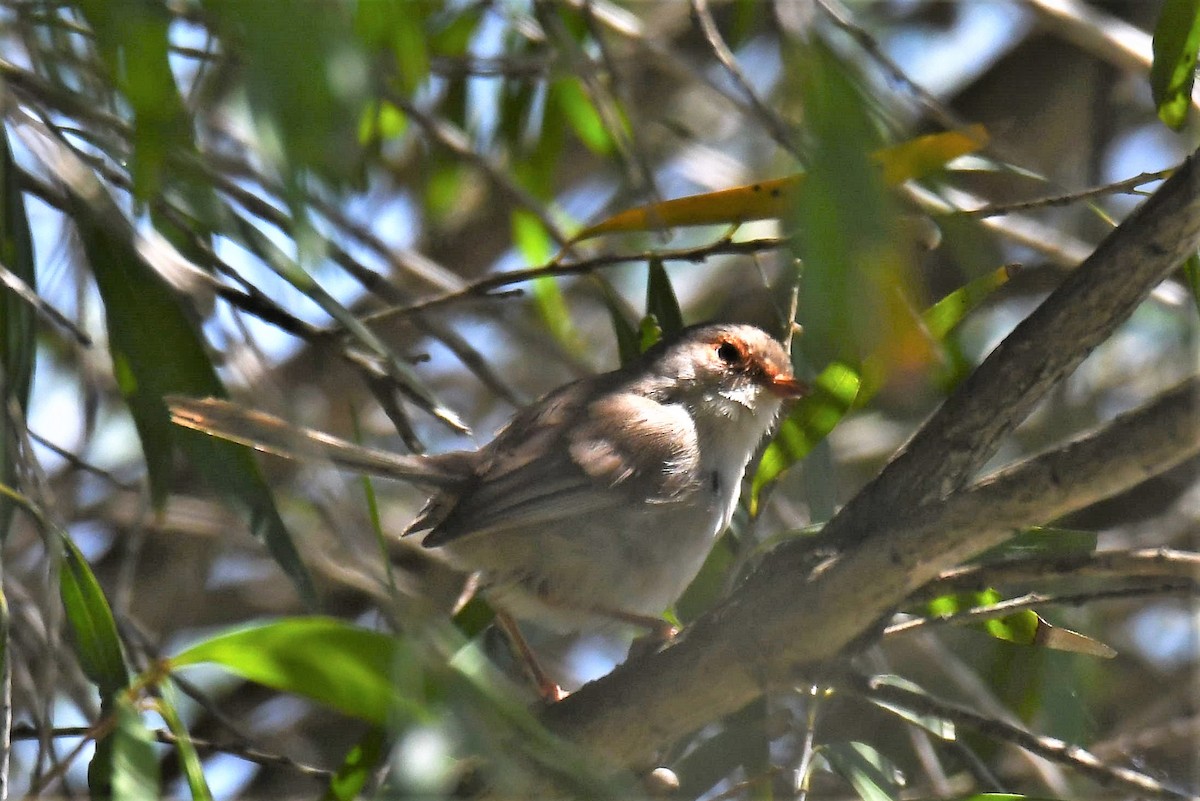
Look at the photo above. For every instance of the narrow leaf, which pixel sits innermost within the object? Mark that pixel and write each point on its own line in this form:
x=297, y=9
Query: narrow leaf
x=627, y=336
x=1060, y=639
x=942, y=317
x=1191, y=273
x=93, y=630
x=156, y=350
x=132, y=39
x=840, y=386
x=1022, y=627
x=661, y=301
x=1176, y=45
x=868, y=771
x=1042, y=541
x=649, y=332
x=777, y=197
x=569, y=95
x=937, y=726
x=135, y=773
x=361, y=673
x=18, y=335
x=189, y=760
x=810, y=420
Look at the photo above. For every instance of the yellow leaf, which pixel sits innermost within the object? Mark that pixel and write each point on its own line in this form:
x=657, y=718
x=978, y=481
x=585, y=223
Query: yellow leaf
x=773, y=198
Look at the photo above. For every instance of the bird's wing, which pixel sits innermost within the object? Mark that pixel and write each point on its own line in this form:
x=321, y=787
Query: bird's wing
x=624, y=449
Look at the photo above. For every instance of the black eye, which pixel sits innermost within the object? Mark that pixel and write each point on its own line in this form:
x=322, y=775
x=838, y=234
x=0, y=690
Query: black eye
x=729, y=353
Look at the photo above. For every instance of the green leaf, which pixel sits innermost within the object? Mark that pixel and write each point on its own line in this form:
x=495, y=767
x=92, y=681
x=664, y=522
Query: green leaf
x=454, y=29
x=352, y=775
x=533, y=242
x=569, y=95
x=1176, y=45
x=531, y=237
x=810, y=420
x=857, y=265
x=18, y=334
x=841, y=386
x=474, y=616
x=1022, y=627
x=1042, y=541
x=661, y=301
x=944, y=316
x=93, y=630
x=381, y=121
x=628, y=341
x=397, y=27
x=361, y=673
x=939, y=727
x=132, y=39
x=306, y=80
x=134, y=774
x=156, y=351
x=189, y=760
x=868, y=771
x=552, y=308
x=649, y=333
x=1191, y=273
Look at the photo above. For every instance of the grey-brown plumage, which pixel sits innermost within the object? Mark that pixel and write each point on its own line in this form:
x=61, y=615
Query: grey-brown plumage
x=600, y=500
x=606, y=494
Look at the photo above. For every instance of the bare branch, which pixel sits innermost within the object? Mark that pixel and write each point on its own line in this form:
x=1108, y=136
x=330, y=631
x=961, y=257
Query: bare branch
x=1047, y=747
x=485, y=286
x=1149, y=563
x=720, y=663
x=1089, y=304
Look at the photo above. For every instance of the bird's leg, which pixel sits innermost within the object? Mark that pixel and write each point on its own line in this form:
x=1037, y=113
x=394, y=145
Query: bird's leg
x=658, y=631
x=656, y=628
x=546, y=687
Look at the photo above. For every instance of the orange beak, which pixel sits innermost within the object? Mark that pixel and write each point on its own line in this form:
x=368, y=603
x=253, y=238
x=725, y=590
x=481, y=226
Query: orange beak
x=786, y=386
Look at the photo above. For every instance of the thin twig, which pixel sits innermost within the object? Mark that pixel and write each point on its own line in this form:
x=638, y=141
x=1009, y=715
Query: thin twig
x=23, y=731
x=978, y=614
x=937, y=110
x=483, y=287
x=453, y=139
x=779, y=130
x=1126, y=186
x=1148, y=563
x=1050, y=748
x=26, y=293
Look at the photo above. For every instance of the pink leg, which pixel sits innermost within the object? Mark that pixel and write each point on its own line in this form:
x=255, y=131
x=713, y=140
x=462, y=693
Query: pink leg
x=546, y=688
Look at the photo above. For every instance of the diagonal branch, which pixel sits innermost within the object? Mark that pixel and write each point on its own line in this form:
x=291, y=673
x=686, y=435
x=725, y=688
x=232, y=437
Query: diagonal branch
x=782, y=617
x=1089, y=304
x=879, y=691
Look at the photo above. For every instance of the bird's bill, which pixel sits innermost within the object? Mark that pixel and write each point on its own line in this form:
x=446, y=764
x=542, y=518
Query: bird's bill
x=786, y=386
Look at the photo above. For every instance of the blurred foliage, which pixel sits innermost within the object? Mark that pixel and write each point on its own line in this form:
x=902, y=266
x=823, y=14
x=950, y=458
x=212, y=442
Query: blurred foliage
x=311, y=205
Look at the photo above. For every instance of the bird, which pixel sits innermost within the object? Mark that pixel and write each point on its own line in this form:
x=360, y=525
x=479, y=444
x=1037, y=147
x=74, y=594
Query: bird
x=596, y=504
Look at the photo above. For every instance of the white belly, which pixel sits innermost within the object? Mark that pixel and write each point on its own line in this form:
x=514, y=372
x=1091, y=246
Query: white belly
x=637, y=560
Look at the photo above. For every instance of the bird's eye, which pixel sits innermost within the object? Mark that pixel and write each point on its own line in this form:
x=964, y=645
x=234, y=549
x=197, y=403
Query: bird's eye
x=729, y=353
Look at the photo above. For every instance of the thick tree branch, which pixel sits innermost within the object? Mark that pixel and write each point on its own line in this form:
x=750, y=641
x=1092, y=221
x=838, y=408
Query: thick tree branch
x=1089, y=304
x=783, y=618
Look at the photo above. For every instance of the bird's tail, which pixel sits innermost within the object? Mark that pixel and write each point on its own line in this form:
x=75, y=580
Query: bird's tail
x=270, y=434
